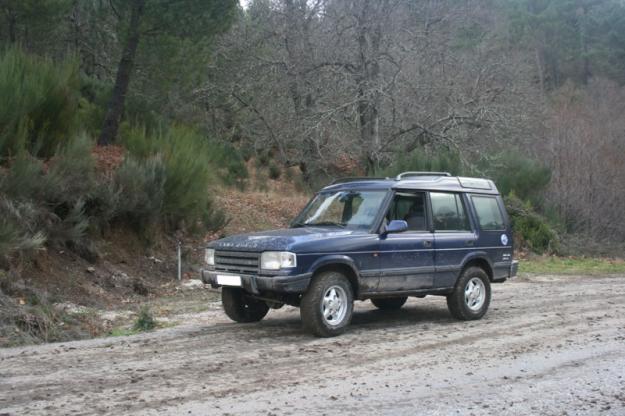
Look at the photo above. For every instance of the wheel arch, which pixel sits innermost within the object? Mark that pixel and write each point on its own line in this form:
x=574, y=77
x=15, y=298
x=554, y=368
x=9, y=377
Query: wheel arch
x=481, y=261
x=341, y=264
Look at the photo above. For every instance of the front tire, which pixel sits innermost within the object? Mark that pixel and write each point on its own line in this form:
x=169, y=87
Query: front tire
x=389, y=303
x=240, y=307
x=471, y=296
x=326, y=308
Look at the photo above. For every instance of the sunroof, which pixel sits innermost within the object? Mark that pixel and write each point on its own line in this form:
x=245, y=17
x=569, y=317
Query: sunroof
x=475, y=183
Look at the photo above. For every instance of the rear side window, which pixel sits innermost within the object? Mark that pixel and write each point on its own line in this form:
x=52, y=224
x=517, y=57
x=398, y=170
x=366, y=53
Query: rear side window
x=488, y=213
x=448, y=212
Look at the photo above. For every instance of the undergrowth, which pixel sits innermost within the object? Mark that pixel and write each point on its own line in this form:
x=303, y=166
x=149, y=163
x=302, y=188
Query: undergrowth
x=53, y=194
x=28, y=316
x=145, y=321
x=39, y=103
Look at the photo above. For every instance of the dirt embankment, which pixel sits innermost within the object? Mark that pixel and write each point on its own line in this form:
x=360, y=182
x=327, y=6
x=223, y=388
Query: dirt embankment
x=61, y=295
x=549, y=346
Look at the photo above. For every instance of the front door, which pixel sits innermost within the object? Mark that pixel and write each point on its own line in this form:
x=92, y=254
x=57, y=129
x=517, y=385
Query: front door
x=407, y=258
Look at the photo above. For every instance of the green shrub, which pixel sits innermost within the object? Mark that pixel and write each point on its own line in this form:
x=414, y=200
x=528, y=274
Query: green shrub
x=512, y=172
x=18, y=231
x=141, y=185
x=274, y=171
x=229, y=164
x=53, y=206
x=72, y=172
x=145, y=321
x=25, y=179
x=531, y=230
x=189, y=173
x=39, y=103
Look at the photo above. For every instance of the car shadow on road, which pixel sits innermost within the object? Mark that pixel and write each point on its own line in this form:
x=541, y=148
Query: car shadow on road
x=406, y=316
x=285, y=324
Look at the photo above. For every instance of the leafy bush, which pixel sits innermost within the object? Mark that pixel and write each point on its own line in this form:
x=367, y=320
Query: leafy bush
x=531, y=230
x=39, y=103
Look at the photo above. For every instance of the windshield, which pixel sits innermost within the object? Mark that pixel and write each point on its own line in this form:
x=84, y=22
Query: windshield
x=342, y=208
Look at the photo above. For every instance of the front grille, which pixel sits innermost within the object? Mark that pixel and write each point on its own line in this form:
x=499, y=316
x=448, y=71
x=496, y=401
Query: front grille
x=237, y=261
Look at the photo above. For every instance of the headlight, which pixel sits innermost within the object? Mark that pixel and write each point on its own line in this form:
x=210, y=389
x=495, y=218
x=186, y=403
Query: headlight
x=209, y=256
x=276, y=260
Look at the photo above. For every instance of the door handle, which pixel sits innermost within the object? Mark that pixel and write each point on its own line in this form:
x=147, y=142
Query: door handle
x=427, y=243
x=470, y=242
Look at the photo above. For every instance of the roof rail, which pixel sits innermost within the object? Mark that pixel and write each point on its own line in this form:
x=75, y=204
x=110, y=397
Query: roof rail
x=404, y=174
x=355, y=178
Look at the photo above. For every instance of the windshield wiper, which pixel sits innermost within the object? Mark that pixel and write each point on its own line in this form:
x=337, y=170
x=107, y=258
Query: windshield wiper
x=325, y=223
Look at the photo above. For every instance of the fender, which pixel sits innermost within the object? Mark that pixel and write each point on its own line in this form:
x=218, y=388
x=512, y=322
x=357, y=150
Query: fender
x=476, y=255
x=335, y=259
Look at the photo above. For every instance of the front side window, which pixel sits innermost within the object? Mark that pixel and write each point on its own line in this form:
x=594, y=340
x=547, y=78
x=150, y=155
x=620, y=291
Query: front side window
x=356, y=209
x=409, y=207
x=448, y=212
x=488, y=213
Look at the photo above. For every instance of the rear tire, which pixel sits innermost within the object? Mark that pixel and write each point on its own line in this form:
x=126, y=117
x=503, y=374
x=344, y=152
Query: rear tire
x=240, y=307
x=326, y=308
x=389, y=303
x=471, y=296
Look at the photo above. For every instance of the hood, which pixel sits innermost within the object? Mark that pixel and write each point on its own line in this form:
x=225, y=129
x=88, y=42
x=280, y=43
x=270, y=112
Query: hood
x=289, y=239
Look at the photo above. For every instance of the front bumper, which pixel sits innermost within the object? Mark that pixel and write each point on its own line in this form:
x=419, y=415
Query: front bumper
x=256, y=284
x=514, y=269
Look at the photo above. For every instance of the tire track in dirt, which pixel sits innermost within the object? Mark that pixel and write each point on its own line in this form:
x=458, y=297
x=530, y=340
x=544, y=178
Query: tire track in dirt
x=206, y=364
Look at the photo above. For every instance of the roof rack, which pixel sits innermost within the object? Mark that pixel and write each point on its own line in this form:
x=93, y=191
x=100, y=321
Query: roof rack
x=404, y=174
x=356, y=178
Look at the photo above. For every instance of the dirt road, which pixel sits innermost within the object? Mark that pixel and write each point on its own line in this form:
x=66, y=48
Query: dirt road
x=548, y=346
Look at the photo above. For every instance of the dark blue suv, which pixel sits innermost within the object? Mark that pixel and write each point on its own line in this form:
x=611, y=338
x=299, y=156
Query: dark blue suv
x=384, y=239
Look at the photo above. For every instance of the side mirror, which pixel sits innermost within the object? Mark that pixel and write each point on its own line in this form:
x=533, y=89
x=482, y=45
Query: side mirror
x=396, y=226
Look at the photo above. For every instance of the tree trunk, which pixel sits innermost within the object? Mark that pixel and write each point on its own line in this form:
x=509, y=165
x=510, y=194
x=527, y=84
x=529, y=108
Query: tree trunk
x=369, y=37
x=583, y=41
x=116, y=106
x=12, y=21
x=295, y=33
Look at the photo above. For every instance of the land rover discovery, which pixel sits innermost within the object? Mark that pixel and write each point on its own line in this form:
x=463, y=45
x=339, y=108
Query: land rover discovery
x=383, y=239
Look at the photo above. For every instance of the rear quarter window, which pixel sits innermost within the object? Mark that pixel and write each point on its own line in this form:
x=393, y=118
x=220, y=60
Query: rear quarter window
x=488, y=213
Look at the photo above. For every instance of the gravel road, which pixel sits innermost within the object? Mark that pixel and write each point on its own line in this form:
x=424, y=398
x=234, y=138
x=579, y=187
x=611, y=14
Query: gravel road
x=548, y=346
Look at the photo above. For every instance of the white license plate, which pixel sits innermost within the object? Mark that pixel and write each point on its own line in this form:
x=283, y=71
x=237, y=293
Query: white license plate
x=228, y=280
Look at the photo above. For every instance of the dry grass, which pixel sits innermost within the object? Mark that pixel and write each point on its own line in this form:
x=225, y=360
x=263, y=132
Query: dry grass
x=572, y=265
x=265, y=204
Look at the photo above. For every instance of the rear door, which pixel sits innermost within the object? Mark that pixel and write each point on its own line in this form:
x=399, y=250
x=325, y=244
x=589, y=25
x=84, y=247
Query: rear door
x=407, y=259
x=454, y=236
x=495, y=237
